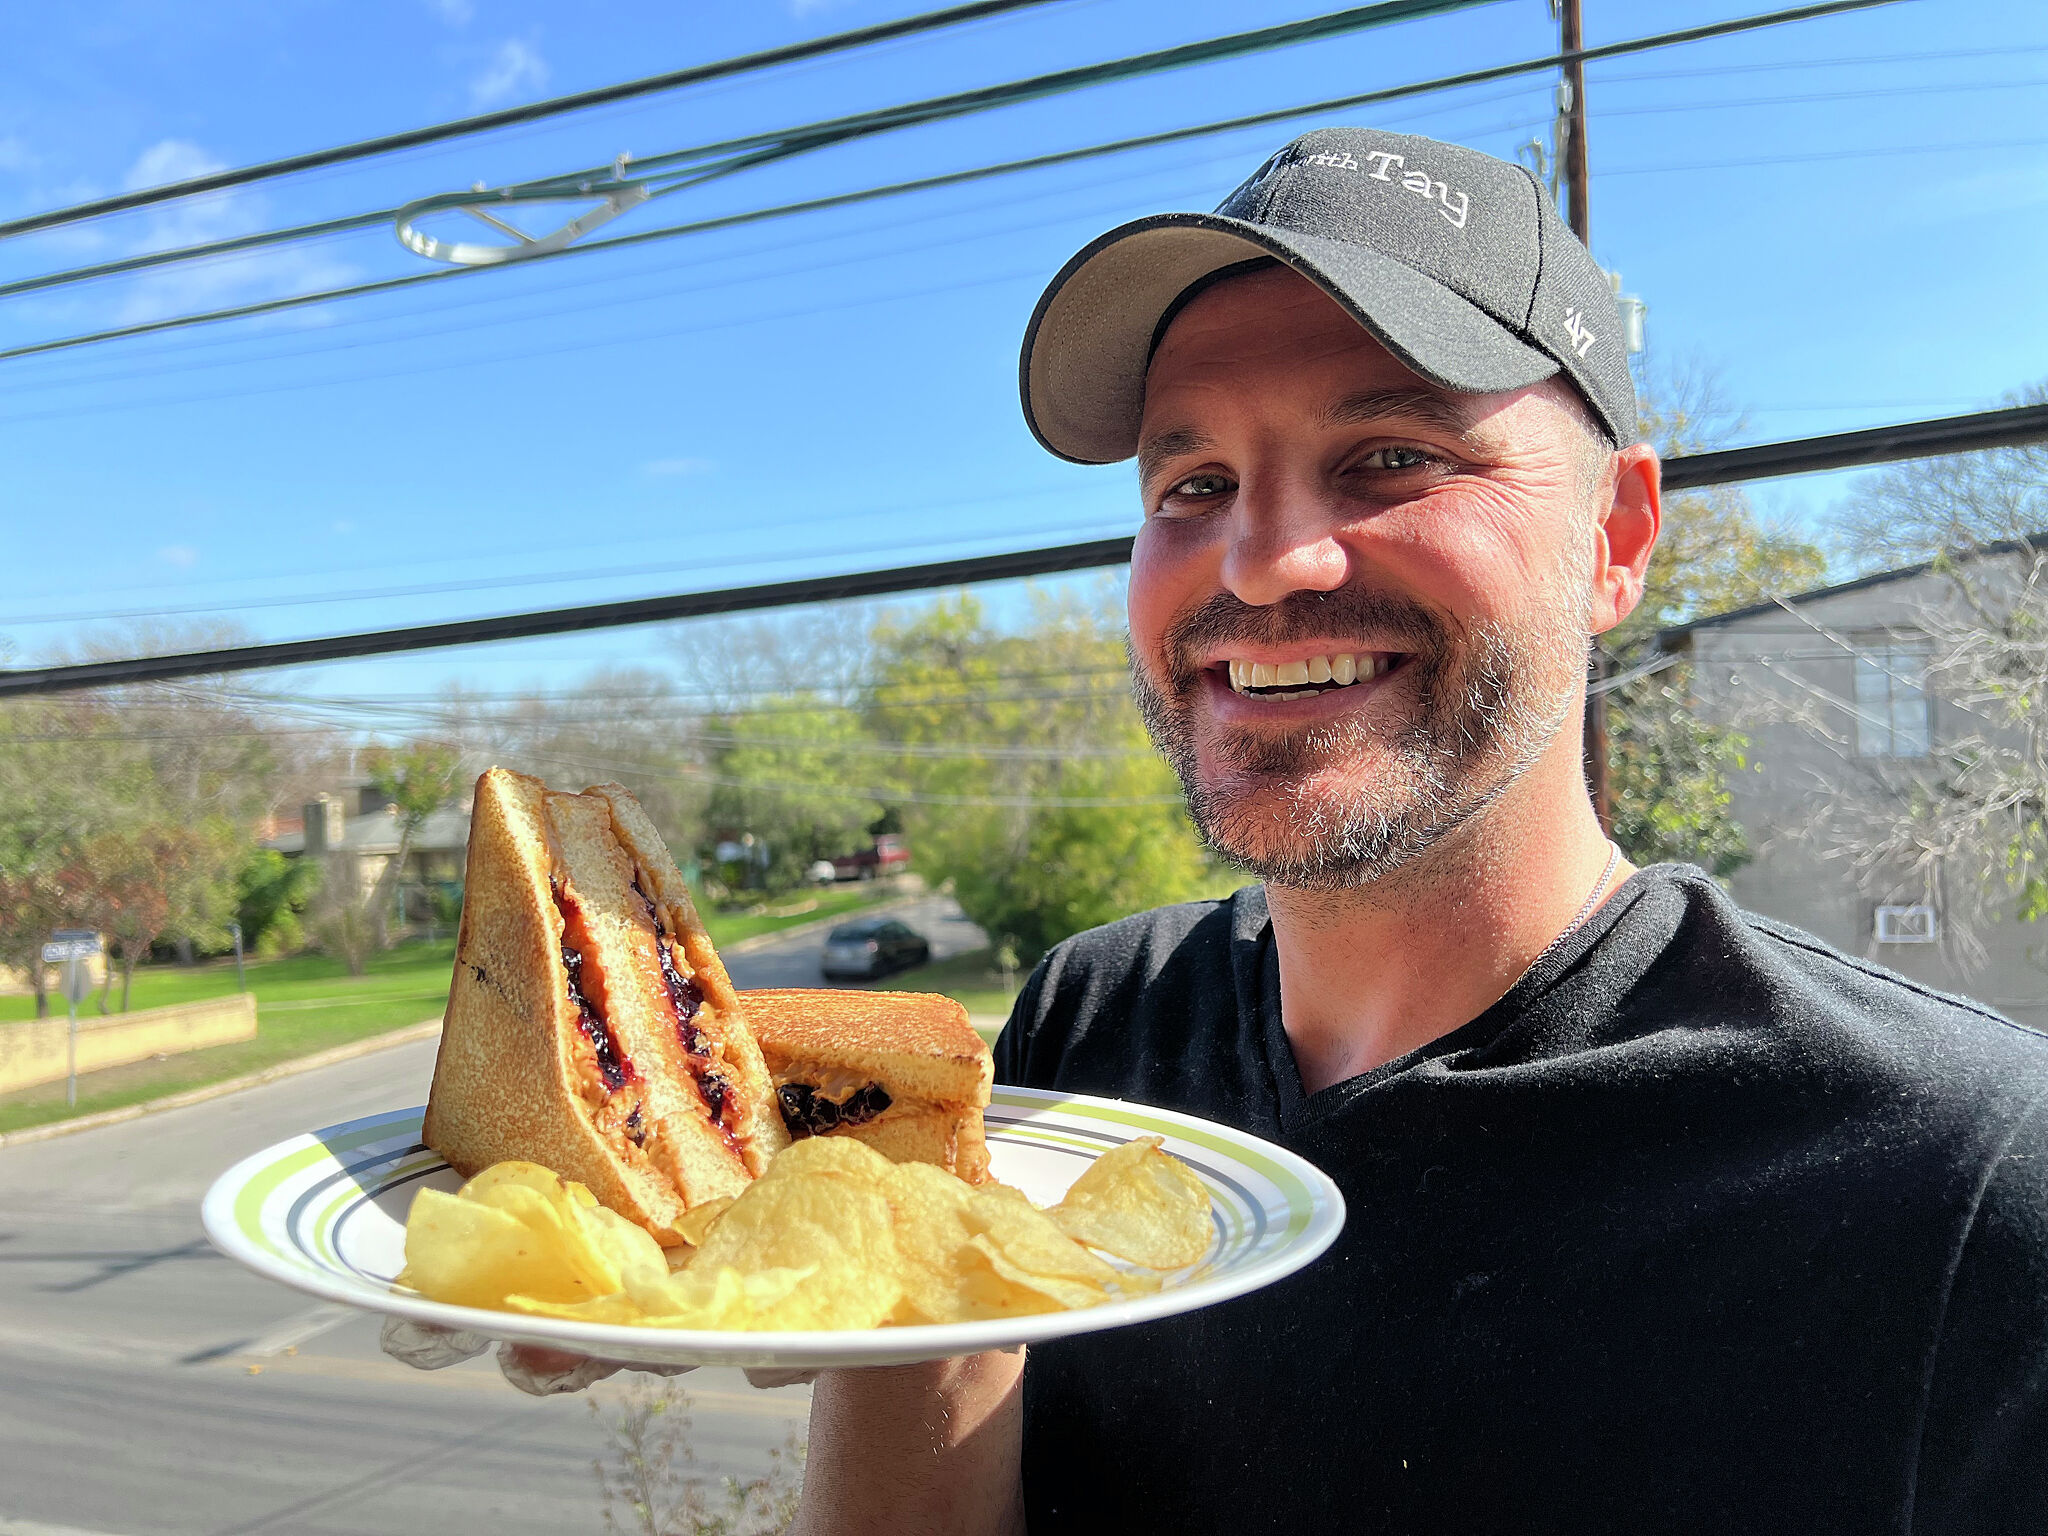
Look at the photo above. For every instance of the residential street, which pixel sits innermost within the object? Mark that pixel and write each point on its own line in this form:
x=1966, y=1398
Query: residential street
x=154, y=1386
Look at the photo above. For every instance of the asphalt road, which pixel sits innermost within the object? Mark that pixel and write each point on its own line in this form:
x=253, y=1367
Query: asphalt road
x=794, y=963
x=154, y=1386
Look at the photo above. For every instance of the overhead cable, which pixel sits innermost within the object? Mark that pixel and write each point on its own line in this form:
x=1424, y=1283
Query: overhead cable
x=955, y=178
x=749, y=151
x=1921, y=439
x=507, y=117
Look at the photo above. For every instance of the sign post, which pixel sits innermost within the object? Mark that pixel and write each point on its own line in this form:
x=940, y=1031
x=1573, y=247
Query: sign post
x=71, y=948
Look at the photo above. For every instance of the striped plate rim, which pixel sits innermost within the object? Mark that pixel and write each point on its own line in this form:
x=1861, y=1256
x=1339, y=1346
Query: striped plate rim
x=290, y=1212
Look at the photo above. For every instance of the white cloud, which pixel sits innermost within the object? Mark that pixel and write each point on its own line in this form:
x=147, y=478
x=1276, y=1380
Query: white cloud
x=183, y=556
x=457, y=13
x=170, y=160
x=344, y=525
x=514, y=67
x=219, y=281
x=678, y=466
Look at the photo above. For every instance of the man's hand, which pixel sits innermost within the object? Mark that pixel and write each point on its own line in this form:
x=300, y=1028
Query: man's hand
x=532, y=1368
x=934, y=1448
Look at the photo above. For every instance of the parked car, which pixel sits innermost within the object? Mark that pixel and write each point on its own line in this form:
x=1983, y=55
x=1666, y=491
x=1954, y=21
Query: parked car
x=871, y=947
x=888, y=854
x=821, y=872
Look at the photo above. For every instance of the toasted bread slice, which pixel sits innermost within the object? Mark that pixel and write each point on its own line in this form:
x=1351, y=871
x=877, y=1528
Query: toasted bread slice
x=829, y=1050
x=570, y=1038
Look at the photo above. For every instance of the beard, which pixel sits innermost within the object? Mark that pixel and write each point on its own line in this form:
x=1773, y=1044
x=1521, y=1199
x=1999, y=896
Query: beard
x=1341, y=805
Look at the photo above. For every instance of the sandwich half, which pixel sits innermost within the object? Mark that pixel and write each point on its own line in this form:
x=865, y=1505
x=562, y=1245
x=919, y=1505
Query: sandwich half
x=902, y=1071
x=590, y=1026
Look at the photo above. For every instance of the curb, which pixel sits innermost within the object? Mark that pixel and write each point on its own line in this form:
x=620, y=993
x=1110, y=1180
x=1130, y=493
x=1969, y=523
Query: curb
x=425, y=1030
x=797, y=930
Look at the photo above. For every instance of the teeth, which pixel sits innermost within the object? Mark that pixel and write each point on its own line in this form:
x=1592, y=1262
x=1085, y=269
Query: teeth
x=1342, y=670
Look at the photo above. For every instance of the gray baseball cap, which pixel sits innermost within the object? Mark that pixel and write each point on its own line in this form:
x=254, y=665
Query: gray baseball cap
x=1456, y=262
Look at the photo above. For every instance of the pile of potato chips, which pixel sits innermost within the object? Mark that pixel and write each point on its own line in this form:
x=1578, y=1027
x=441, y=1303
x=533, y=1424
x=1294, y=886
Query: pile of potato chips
x=833, y=1235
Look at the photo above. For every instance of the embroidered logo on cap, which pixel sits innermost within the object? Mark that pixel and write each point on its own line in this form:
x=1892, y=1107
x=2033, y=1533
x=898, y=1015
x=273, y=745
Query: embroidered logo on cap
x=1383, y=163
x=1575, y=327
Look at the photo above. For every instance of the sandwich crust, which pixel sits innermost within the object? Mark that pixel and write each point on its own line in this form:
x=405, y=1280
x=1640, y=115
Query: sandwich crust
x=516, y=1076
x=590, y=1027
x=916, y=1046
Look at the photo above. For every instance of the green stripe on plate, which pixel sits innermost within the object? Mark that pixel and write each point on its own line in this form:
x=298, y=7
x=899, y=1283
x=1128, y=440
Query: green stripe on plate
x=254, y=1195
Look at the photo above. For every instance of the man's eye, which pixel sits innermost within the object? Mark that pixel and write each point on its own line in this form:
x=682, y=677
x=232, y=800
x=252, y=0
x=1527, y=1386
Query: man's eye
x=1199, y=486
x=1398, y=457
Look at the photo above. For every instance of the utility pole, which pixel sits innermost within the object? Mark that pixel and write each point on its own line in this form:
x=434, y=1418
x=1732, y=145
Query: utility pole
x=1571, y=157
x=1573, y=150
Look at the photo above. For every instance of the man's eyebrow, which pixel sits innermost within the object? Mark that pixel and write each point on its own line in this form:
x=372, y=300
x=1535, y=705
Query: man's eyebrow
x=1165, y=445
x=1426, y=407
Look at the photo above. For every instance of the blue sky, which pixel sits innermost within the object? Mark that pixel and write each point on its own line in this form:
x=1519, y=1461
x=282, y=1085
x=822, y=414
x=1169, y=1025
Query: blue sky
x=1841, y=218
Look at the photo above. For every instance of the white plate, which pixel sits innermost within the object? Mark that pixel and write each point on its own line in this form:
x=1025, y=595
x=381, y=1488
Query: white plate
x=325, y=1213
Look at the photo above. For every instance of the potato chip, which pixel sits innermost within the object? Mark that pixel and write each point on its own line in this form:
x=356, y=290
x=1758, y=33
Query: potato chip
x=828, y=1224
x=696, y=1221
x=476, y=1255
x=929, y=1209
x=1027, y=1238
x=840, y=1155
x=1141, y=1204
x=1058, y=1294
x=560, y=1223
x=628, y=1246
x=833, y=1235
x=727, y=1299
x=517, y=1175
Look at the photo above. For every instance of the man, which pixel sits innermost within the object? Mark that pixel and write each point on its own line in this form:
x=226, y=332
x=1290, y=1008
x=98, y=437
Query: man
x=1661, y=1217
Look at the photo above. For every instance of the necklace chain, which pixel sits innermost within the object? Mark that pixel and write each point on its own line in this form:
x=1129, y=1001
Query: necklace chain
x=1586, y=909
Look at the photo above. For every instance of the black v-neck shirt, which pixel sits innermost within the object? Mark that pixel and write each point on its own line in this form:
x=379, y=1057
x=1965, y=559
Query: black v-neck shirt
x=1703, y=1227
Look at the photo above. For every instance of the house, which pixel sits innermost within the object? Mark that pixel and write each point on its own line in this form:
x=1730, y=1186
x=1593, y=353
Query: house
x=358, y=825
x=1831, y=687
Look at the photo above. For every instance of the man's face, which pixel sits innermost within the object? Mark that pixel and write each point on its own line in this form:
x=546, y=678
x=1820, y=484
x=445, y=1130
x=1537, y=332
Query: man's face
x=1359, y=601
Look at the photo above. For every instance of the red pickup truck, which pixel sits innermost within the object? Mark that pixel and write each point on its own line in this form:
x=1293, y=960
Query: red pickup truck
x=888, y=854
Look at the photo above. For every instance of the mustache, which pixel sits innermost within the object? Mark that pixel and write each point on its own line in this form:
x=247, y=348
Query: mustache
x=1384, y=616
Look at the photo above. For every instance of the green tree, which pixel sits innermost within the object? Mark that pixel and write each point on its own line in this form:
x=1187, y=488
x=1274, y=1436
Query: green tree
x=272, y=893
x=1668, y=769
x=789, y=776
x=1030, y=783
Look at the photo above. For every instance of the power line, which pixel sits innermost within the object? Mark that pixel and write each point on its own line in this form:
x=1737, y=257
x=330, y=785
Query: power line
x=484, y=122
x=1876, y=152
x=955, y=178
x=1956, y=434
x=758, y=149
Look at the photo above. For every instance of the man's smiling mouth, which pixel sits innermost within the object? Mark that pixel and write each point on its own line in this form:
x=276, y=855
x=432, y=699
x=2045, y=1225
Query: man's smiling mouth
x=1309, y=676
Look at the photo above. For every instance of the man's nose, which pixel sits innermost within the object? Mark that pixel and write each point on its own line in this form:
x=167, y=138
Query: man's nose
x=1282, y=540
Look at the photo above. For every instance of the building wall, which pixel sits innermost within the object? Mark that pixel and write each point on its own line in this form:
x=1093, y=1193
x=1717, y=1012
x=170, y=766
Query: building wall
x=1788, y=679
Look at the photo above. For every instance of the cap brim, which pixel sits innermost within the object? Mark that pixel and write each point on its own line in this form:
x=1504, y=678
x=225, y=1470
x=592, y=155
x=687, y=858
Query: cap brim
x=1082, y=373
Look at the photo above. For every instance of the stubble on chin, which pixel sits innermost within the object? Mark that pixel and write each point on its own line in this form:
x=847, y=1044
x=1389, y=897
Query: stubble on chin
x=1345, y=805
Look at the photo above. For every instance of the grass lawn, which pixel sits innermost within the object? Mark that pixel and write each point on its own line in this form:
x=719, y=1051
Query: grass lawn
x=967, y=978
x=304, y=1004
x=310, y=1003
x=790, y=910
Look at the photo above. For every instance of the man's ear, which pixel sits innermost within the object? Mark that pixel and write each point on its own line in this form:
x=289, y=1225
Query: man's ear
x=1626, y=534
